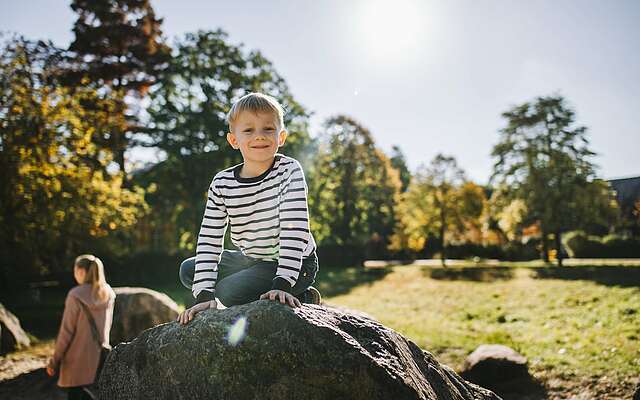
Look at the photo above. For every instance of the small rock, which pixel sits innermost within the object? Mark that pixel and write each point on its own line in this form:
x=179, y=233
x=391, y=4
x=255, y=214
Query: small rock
x=490, y=365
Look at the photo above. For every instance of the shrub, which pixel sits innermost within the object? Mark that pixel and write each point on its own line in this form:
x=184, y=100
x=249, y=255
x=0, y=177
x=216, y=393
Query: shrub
x=341, y=256
x=580, y=245
x=469, y=250
x=142, y=269
x=616, y=246
x=516, y=251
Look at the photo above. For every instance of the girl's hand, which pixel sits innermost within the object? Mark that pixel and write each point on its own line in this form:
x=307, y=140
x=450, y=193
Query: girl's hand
x=50, y=370
x=188, y=314
x=283, y=296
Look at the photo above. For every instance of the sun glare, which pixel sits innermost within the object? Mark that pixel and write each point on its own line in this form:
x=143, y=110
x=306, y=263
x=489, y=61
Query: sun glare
x=394, y=31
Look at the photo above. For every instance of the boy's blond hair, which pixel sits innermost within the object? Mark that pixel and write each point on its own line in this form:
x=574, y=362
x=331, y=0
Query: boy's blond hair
x=256, y=102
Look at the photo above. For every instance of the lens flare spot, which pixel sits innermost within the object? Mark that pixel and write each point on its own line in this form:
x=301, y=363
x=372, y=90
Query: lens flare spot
x=237, y=331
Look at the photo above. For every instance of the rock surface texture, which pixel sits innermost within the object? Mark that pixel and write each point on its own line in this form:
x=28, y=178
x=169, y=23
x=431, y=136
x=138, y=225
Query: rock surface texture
x=137, y=309
x=266, y=350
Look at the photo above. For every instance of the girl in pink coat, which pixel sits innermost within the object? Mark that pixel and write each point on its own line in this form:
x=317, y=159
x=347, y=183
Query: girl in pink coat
x=77, y=353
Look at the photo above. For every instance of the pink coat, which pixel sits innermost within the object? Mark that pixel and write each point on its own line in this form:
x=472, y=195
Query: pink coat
x=77, y=354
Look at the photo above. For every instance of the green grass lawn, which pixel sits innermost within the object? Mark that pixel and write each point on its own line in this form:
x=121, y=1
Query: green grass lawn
x=570, y=322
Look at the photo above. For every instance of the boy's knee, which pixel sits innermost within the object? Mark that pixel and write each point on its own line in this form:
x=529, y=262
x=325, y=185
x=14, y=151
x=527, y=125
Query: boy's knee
x=187, y=271
x=228, y=296
x=224, y=295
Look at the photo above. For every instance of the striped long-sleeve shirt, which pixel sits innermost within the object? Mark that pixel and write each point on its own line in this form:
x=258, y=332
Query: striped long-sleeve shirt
x=268, y=218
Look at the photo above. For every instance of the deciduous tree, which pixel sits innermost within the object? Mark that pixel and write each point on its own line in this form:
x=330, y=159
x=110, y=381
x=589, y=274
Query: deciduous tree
x=440, y=202
x=354, y=188
x=187, y=125
x=56, y=198
x=543, y=158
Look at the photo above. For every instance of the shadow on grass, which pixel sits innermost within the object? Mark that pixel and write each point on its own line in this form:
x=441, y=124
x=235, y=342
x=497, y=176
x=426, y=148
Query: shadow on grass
x=476, y=274
x=625, y=276
x=605, y=275
x=517, y=389
x=34, y=385
x=336, y=281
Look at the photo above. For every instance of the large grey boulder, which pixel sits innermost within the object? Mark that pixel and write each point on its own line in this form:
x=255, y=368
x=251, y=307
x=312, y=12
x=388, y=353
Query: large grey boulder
x=345, y=310
x=137, y=309
x=12, y=337
x=266, y=350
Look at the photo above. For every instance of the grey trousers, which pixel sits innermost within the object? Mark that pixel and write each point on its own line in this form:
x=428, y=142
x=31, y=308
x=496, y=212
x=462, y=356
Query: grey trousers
x=242, y=279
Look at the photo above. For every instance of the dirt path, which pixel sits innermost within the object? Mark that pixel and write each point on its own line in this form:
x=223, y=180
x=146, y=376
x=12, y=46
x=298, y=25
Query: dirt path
x=23, y=375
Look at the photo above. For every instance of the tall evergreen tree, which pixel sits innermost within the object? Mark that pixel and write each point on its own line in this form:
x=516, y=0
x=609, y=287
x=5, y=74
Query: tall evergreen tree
x=118, y=43
x=118, y=46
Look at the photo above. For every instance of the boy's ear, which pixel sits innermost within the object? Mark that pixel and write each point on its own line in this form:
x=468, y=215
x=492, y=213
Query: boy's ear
x=282, y=137
x=231, y=138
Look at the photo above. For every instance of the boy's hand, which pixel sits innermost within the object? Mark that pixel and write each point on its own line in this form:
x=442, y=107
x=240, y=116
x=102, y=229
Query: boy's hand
x=283, y=296
x=188, y=314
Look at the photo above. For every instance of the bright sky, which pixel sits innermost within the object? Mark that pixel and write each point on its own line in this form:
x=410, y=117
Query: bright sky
x=428, y=76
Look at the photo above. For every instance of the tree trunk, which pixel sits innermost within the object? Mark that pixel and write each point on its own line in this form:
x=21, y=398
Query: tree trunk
x=119, y=158
x=545, y=247
x=559, y=247
x=442, y=241
x=119, y=137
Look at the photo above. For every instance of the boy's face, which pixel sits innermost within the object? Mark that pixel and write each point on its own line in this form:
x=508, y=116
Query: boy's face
x=257, y=135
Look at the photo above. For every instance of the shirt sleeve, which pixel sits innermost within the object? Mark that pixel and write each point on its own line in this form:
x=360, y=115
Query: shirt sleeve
x=294, y=228
x=209, y=245
x=67, y=330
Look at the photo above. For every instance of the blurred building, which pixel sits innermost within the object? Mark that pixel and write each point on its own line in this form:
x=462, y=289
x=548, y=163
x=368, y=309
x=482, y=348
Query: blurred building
x=627, y=191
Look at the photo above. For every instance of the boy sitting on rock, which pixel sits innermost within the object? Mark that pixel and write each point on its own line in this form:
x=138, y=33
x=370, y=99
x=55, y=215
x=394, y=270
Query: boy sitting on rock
x=264, y=202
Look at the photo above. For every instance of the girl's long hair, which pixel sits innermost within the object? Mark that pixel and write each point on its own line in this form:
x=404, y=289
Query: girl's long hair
x=94, y=275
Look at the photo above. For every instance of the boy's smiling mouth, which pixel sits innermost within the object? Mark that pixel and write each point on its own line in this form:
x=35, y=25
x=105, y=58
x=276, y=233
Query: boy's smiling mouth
x=260, y=147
